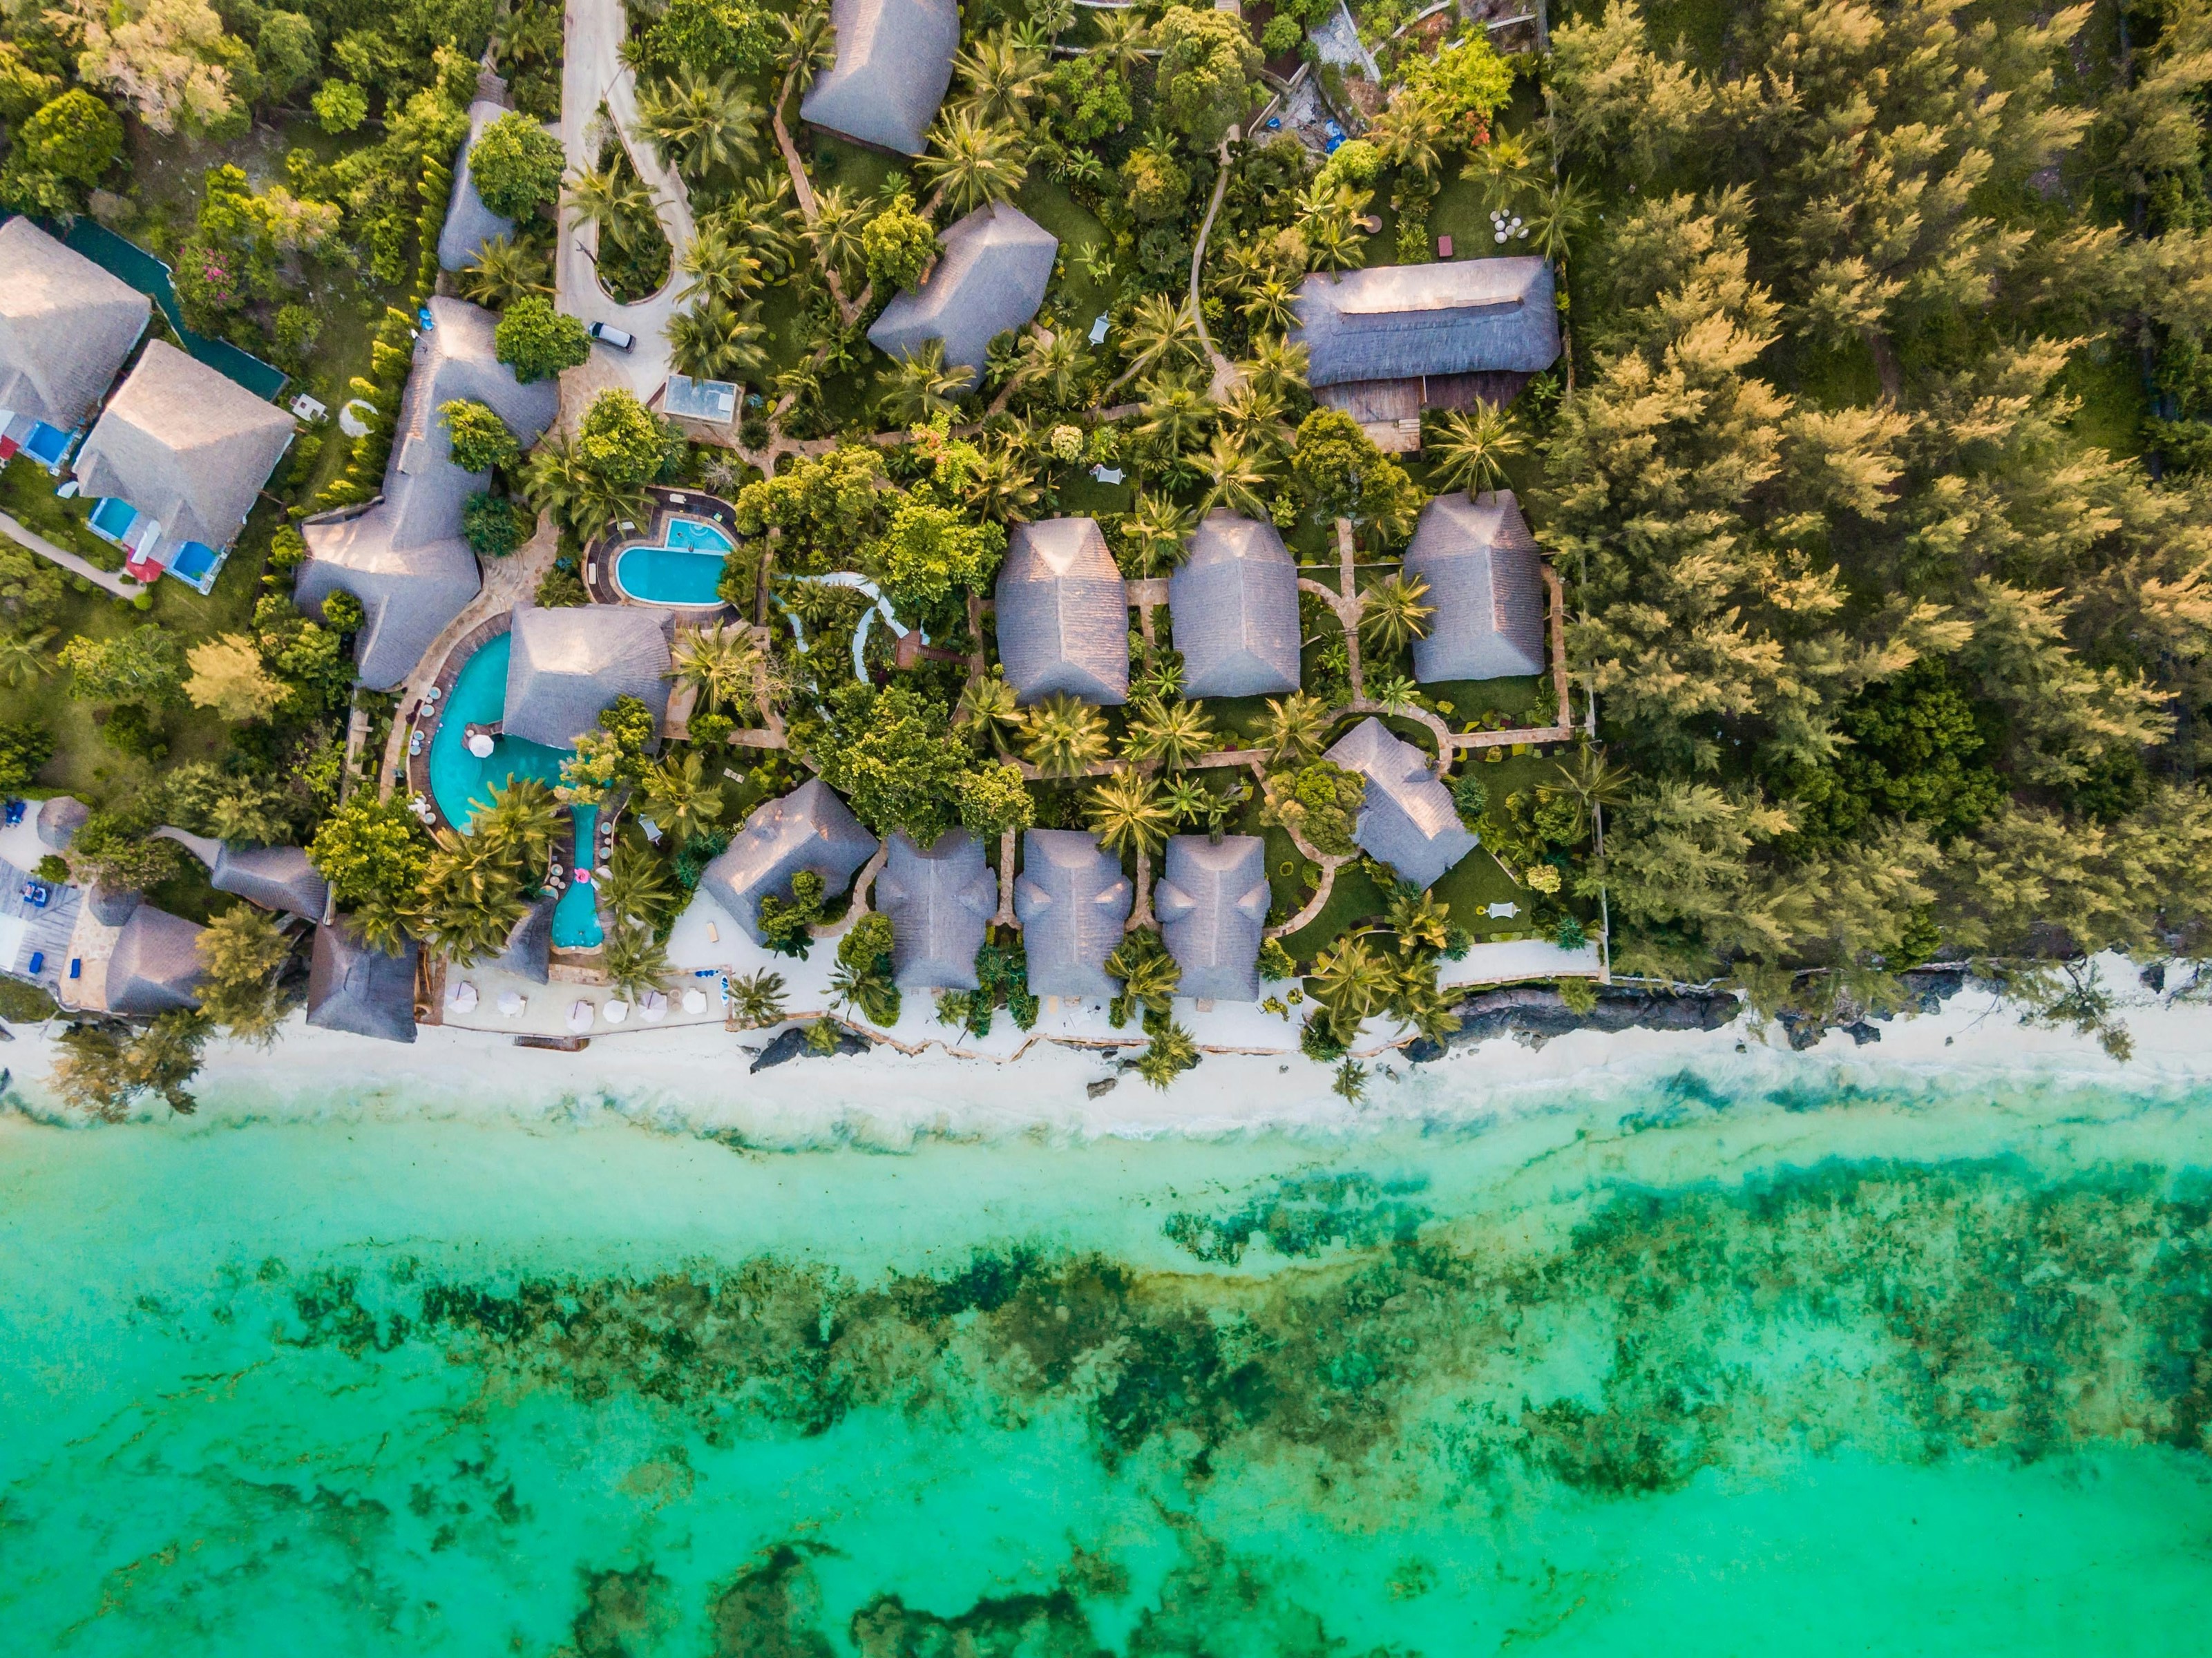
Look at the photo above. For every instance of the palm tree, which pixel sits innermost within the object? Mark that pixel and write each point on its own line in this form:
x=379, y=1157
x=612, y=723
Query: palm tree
x=762, y=221
x=1051, y=365
x=385, y=920
x=919, y=386
x=809, y=46
x=23, y=658
x=1176, y=414
x=503, y=272
x=1061, y=735
x=1587, y=777
x=523, y=818
x=1471, y=447
x=718, y=341
x=988, y=710
x=613, y=197
x=634, y=890
x=756, y=998
x=1354, y=981
x=1233, y=478
x=1160, y=333
x=680, y=797
x=1296, y=727
x=1122, y=38
x=999, y=487
x=866, y=990
x=472, y=897
x=722, y=662
x=1000, y=73
x=1393, y=691
x=972, y=164
x=1126, y=813
x=834, y=235
x=1351, y=1082
x=1392, y=614
x=1173, y=1051
x=1420, y=922
x=556, y=480
x=1189, y=799
x=1254, y=415
x=1275, y=366
x=1335, y=242
x=636, y=963
x=720, y=266
x=1157, y=532
x=1149, y=974
x=1173, y=733
x=1554, y=223
x=695, y=125
x=1406, y=134
x=1272, y=306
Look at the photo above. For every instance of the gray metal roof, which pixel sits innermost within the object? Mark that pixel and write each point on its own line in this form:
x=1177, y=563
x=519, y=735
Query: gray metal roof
x=1213, y=903
x=939, y=901
x=186, y=445
x=567, y=665
x=1073, y=901
x=154, y=965
x=1486, y=583
x=66, y=327
x=894, y=62
x=1399, y=321
x=529, y=951
x=990, y=277
x=403, y=556
x=352, y=986
x=1063, y=613
x=809, y=827
x=1408, y=820
x=275, y=877
x=1235, y=609
x=468, y=223
x=59, y=819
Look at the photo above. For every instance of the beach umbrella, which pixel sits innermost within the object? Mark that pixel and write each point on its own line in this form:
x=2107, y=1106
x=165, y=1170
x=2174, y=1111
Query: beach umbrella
x=615, y=1011
x=652, y=1007
x=695, y=1001
x=511, y=1003
x=462, y=997
x=579, y=1017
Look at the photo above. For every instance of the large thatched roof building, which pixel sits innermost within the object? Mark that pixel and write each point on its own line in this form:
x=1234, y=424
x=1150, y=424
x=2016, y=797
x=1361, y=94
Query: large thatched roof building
x=66, y=329
x=939, y=900
x=1408, y=820
x=809, y=828
x=1485, y=579
x=1213, y=903
x=990, y=278
x=1063, y=613
x=1234, y=603
x=567, y=665
x=894, y=61
x=1072, y=902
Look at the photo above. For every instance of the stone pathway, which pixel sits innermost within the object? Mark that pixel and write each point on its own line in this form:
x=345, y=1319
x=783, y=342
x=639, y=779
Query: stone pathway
x=23, y=535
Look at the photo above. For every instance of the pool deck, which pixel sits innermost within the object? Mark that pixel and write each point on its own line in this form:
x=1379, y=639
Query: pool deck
x=600, y=556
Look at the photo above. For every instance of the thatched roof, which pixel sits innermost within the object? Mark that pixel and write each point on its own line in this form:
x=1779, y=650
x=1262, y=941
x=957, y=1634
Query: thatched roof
x=1213, y=903
x=352, y=986
x=939, y=901
x=275, y=877
x=567, y=665
x=403, y=556
x=1400, y=321
x=1235, y=609
x=529, y=951
x=154, y=966
x=991, y=278
x=1063, y=613
x=468, y=223
x=1408, y=820
x=1486, y=583
x=809, y=828
x=66, y=327
x=894, y=62
x=59, y=819
x=186, y=445
x=1073, y=901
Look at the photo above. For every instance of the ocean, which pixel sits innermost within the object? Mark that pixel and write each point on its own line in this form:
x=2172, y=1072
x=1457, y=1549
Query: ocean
x=1689, y=1365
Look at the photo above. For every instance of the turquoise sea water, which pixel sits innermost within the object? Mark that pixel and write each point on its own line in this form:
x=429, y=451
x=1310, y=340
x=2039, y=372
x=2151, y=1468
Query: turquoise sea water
x=1682, y=1370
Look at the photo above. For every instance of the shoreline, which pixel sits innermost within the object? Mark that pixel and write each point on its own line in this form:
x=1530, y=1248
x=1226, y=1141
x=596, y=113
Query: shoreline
x=694, y=1081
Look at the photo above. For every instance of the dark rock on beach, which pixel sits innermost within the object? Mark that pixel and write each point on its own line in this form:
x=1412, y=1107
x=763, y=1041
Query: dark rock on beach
x=1539, y=1011
x=792, y=1045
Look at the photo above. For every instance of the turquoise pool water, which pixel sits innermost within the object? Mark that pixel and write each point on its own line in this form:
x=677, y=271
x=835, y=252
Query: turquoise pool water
x=460, y=783
x=576, y=917
x=1698, y=1372
x=686, y=571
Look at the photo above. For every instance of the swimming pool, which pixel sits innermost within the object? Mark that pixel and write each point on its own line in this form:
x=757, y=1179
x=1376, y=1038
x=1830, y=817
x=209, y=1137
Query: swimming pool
x=460, y=783
x=113, y=517
x=686, y=571
x=576, y=917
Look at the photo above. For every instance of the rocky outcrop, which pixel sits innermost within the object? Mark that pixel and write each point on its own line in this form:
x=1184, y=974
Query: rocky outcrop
x=1540, y=1012
x=792, y=1045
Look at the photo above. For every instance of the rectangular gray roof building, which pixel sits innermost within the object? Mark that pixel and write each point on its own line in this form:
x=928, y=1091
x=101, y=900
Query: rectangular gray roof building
x=403, y=555
x=566, y=666
x=1073, y=901
x=1233, y=602
x=1408, y=820
x=894, y=62
x=991, y=278
x=1063, y=613
x=66, y=328
x=1486, y=579
x=154, y=966
x=352, y=986
x=187, y=447
x=1212, y=904
x=1398, y=322
x=809, y=828
x=939, y=901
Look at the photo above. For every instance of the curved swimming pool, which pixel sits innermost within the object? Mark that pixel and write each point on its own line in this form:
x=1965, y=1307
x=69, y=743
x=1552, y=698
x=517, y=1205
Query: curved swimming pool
x=461, y=784
x=686, y=571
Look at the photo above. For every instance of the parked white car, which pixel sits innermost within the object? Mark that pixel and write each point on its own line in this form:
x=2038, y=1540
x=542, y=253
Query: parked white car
x=608, y=335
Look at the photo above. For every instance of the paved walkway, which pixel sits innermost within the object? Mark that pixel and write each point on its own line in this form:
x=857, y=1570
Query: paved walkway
x=593, y=74
x=24, y=536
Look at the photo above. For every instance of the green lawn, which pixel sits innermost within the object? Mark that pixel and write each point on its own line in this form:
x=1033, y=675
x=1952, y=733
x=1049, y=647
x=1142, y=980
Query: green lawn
x=27, y=493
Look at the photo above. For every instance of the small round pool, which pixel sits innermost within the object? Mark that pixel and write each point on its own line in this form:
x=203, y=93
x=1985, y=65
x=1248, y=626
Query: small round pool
x=686, y=571
x=461, y=784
